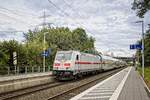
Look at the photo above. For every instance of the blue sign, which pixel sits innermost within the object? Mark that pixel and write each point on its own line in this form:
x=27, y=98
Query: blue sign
x=139, y=47
x=136, y=46
x=46, y=53
x=132, y=46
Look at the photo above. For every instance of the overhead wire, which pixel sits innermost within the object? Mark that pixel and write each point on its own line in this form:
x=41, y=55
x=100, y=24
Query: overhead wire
x=72, y=8
x=66, y=3
x=68, y=14
x=57, y=7
x=78, y=15
x=17, y=12
x=11, y=17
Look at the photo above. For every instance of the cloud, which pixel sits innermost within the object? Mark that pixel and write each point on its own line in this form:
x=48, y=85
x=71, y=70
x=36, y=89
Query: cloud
x=110, y=22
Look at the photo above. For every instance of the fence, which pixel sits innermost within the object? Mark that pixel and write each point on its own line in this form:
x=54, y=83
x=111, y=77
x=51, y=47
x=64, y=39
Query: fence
x=7, y=70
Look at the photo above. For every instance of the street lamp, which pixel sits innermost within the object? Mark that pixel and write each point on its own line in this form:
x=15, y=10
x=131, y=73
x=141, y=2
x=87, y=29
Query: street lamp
x=142, y=46
x=44, y=51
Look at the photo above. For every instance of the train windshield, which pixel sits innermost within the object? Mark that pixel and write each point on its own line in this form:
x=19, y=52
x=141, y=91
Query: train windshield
x=63, y=56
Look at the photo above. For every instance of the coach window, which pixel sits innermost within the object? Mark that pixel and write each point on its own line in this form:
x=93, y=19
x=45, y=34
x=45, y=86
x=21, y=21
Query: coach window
x=77, y=57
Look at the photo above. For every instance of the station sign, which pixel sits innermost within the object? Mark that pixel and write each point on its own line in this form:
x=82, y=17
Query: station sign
x=46, y=53
x=136, y=46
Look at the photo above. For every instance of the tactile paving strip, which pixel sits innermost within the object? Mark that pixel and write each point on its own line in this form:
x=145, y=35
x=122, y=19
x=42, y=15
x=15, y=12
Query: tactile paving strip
x=103, y=90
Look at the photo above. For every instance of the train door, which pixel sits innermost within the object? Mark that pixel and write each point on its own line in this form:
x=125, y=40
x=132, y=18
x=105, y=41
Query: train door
x=100, y=62
x=77, y=63
x=101, y=65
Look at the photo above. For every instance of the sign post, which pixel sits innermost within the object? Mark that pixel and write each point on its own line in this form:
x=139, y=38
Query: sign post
x=45, y=53
x=137, y=47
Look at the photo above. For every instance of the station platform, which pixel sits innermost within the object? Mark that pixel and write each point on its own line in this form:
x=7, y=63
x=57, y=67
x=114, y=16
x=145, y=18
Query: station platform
x=12, y=83
x=125, y=85
x=23, y=76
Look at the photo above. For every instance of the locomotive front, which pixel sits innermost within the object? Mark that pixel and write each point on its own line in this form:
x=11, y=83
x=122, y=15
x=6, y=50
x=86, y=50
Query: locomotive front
x=62, y=67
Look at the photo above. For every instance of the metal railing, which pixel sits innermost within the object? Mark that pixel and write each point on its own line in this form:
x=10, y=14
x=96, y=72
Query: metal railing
x=7, y=70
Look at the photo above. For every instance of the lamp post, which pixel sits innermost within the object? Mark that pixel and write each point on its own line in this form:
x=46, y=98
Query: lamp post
x=142, y=46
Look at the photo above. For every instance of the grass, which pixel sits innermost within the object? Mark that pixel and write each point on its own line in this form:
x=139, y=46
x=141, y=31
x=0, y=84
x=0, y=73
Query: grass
x=146, y=75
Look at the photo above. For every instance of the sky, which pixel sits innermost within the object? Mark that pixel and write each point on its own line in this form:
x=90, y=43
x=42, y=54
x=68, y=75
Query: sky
x=110, y=22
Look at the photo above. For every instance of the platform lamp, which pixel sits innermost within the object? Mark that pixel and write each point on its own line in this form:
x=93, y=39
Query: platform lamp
x=142, y=22
x=44, y=51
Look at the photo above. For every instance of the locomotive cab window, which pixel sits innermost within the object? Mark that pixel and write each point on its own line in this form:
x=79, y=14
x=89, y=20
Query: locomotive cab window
x=63, y=56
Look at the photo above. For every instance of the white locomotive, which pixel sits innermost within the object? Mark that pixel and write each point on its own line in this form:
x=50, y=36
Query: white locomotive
x=73, y=64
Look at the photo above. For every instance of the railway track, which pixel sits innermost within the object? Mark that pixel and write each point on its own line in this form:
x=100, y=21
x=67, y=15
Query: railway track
x=68, y=93
x=56, y=90
x=27, y=91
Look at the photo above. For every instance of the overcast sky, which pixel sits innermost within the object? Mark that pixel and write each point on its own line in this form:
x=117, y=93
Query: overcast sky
x=110, y=22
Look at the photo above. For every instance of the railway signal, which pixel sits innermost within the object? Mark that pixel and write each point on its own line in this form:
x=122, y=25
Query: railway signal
x=15, y=60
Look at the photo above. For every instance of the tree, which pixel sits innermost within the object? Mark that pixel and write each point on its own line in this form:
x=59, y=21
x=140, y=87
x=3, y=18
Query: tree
x=8, y=47
x=57, y=39
x=141, y=6
x=29, y=53
x=146, y=49
x=6, y=53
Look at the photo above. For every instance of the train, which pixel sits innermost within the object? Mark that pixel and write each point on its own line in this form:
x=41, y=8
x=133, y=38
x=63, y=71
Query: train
x=75, y=64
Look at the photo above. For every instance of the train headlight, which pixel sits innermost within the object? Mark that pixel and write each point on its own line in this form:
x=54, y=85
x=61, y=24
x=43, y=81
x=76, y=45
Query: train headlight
x=56, y=65
x=67, y=65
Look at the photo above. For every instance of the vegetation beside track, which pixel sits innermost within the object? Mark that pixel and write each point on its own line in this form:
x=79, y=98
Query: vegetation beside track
x=146, y=75
x=29, y=53
x=142, y=7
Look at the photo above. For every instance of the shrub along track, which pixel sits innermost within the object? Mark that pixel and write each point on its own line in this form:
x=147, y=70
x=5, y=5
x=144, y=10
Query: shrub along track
x=58, y=90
